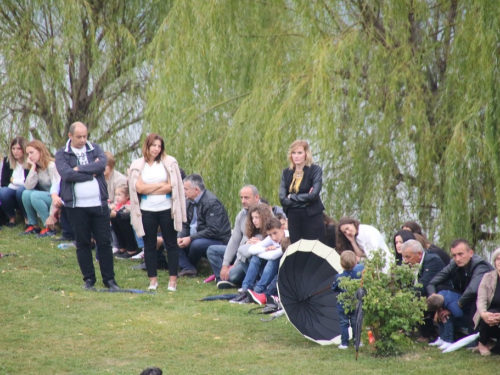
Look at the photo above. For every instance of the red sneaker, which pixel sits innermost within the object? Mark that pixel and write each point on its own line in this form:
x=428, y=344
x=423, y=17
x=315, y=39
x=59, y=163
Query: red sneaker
x=259, y=298
x=31, y=230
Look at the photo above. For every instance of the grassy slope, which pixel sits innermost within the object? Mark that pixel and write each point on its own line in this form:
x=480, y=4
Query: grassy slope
x=49, y=325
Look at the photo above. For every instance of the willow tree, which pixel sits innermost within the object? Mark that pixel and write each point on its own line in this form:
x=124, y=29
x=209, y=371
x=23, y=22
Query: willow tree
x=65, y=61
x=398, y=99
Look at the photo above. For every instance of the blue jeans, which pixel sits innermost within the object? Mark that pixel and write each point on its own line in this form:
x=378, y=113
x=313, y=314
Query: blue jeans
x=345, y=321
x=268, y=274
x=215, y=255
x=447, y=329
x=36, y=202
x=267, y=269
x=197, y=250
x=272, y=288
x=10, y=199
x=67, y=230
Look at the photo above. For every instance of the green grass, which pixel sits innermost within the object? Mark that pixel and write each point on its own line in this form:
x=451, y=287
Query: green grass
x=49, y=325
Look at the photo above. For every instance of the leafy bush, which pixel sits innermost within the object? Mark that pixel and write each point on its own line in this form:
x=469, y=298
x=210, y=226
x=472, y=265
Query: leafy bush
x=390, y=305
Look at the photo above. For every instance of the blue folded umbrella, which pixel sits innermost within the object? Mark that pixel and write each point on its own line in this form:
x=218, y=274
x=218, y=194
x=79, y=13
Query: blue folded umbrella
x=138, y=291
x=219, y=297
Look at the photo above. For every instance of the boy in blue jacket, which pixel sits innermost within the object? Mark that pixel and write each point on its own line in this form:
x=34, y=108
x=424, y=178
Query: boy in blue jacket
x=348, y=261
x=448, y=313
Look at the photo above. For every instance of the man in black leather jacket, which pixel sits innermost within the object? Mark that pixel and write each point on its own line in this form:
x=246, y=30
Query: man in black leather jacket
x=207, y=224
x=465, y=271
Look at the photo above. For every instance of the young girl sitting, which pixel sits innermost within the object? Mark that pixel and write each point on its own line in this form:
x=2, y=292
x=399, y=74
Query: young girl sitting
x=120, y=221
x=267, y=254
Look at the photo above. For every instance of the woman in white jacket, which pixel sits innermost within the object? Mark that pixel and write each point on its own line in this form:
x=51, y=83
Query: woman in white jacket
x=362, y=239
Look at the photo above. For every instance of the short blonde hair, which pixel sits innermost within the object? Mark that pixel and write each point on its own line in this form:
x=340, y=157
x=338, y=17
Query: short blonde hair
x=295, y=145
x=348, y=260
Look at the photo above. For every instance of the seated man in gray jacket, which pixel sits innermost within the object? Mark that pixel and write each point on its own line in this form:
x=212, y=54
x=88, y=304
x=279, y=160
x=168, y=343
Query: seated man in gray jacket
x=221, y=256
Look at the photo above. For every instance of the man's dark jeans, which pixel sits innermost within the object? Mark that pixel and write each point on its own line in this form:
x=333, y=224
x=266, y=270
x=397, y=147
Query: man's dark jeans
x=67, y=230
x=88, y=221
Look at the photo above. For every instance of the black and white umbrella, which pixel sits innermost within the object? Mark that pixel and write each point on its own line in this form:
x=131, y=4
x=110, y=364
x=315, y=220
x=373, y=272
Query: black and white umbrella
x=307, y=271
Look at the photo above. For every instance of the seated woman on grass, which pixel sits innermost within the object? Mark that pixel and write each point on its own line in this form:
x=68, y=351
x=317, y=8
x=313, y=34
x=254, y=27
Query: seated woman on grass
x=42, y=188
x=257, y=217
x=14, y=173
x=362, y=239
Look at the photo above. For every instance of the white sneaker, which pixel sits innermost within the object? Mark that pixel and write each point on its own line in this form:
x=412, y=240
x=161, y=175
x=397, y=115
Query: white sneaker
x=172, y=287
x=115, y=250
x=445, y=345
x=138, y=256
x=343, y=347
x=438, y=342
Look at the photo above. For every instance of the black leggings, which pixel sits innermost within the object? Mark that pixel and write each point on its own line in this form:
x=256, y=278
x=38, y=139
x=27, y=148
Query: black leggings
x=150, y=221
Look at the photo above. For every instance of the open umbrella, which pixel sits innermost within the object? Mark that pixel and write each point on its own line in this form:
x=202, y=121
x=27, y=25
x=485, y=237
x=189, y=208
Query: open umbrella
x=306, y=273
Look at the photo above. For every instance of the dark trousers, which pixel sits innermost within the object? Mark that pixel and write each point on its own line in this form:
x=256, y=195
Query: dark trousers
x=487, y=332
x=346, y=320
x=124, y=233
x=197, y=250
x=303, y=226
x=67, y=230
x=427, y=329
x=87, y=222
x=150, y=221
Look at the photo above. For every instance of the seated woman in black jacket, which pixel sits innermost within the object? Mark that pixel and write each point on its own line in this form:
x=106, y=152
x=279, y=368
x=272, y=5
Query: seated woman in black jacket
x=299, y=194
x=14, y=174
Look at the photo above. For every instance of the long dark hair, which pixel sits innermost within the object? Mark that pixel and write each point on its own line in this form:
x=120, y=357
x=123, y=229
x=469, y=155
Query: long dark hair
x=265, y=215
x=343, y=242
x=405, y=236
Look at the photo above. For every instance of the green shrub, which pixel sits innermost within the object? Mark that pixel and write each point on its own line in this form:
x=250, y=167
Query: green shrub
x=391, y=307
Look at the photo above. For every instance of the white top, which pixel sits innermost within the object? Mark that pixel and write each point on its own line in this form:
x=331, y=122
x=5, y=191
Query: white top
x=260, y=248
x=87, y=193
x=18, y=177
x=152, y=175
x=369, y=239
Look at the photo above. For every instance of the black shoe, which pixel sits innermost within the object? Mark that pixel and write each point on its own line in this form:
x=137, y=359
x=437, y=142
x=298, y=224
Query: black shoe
x=112, y=285
x=189, y=273
x=125, y=255
x=89, y=284
x=10, y=225
x=238, y=298
x=141, y=266
x=224, y=284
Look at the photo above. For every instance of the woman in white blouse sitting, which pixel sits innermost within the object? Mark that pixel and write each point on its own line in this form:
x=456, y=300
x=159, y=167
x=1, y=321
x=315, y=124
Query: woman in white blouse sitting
x=362, y=239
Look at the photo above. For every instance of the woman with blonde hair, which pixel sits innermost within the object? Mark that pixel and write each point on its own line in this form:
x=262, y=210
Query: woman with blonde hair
x=156, y=178
x=299, y=194
x=14, y=173
x=42, y=188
